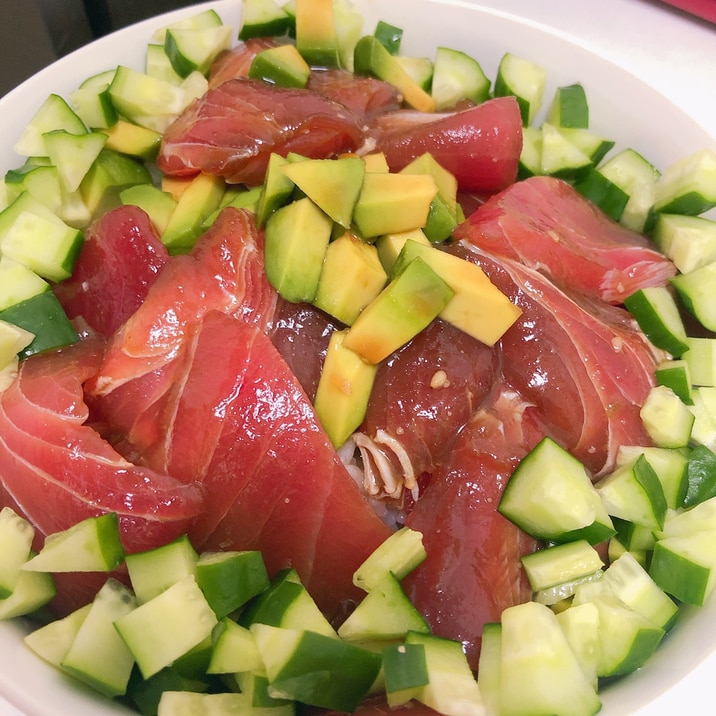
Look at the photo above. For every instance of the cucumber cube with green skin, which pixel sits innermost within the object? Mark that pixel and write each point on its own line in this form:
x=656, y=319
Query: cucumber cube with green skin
x=700, y=476
x=407, y=305
x=670, y=466
x=685, y=566
x=523, y=79
x=234, y=650
x=343, y=390
x=173, y=703
x=689, y=241
x=315, y=669
x=288, y=604
x=551, y=497
x=626, y=637
x=43, y=316
x=13, y=339
x=633, y=492
x=73, y=155
x=41, y=181
x=406, y=672
x=54, y=113
x=198, y=21
x=560, y=156
x=92, y=545
x=699, y=518
x=419, y=69
x=633, y=537
x=569, y=107
x=282, y=66
x=32, y=590
x=489, y=668
x=603, y=192
x=675, y=374
x=16, y=535
x=451, y=689
x=154, y=570
x=701, y=359
x=146, y=694
x=229, y=579
x=580, y=625
x=695, y=290
x=633, y=585
x=52, y=641
x=666, y=418
x=297, y=236
x=561, y=563
x=384, y=614
x=165, y=628
x=398, y=555
x=688, y=186
x=194, y=50
x=263, y=18
x=97, y=655
x=255, y=685
x=457, y=76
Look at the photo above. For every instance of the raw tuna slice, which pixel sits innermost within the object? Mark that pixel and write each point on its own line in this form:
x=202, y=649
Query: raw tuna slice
x=58, y=470
x=232, y=130
x=480, y=145
x=582, y=362
x=119, y=261
x=546, y=224
x=423, y=395
x=473, y=569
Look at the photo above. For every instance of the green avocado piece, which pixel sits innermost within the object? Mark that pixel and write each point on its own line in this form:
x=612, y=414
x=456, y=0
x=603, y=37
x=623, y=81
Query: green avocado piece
x=352, y=277
x=343, y=391
x=282, y=66
x=478, y=307
x=158, y=204
x=403, y=308
x=333, y=184
x=275, y=191
x=390, y=245
x=370, y=57
x=297, y=237
x=316, y=37
x=391, y=203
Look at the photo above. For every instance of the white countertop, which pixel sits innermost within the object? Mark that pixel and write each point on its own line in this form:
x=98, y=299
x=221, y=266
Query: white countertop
x=674, y=53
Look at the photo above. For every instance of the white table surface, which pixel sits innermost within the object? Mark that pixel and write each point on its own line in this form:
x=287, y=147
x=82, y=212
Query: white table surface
x=665, y=48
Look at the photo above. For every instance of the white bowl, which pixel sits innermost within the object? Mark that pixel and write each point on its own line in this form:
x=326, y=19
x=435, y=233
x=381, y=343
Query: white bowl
x=624, y=107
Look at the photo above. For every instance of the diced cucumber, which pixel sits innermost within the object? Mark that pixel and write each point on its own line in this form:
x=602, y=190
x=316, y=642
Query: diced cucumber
x=157, y=64
x=262, y=18
x=688, y=186
x=530, y=163
x=43, y=316
x=451, y=689
x=580, y=625
x=399, y=555
x=198, y=21
x=348, y=23
x=629, y=171
x=560, y=593
x=287, y=603
x=16, y=535
x=537, y=656
x=689, y=241
x=255, y=685
x=229, y=579
x=419, y=69
x=315, y=669
x=626, y=637
x=675, y=374
x=176, y=703
x=657, y=314
x=685, y=566
x=92, y=545
x=670, y=466
x=457, y=76
x=32, y=235
x=234, y=650
x=406, y=672
x=490, y=667
x=701, y=359
x=633, y=492
x=703, y=409
x=551, y=497
x=561, y=563
x=384, y=614
x=153, y=571
x=54, y=113
x=32, y=591
x=593, y=145
x=523, y=79
x=700, y=476
x=569, y=107
x=683, y=523
x=41, y=181
x=666, y=418
x=389, y=36
x=94, y=106
x=73, y=155
x=560, y=157
x=633, y=585
x=166, y=627
x=696, y=290
x=52, y=641
x=97, y=656
x=603, y=192
x=194, y=50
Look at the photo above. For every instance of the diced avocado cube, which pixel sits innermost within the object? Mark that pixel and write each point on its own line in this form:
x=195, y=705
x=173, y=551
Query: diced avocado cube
x=316, y=38
x=282, y=66
x=158, y=204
